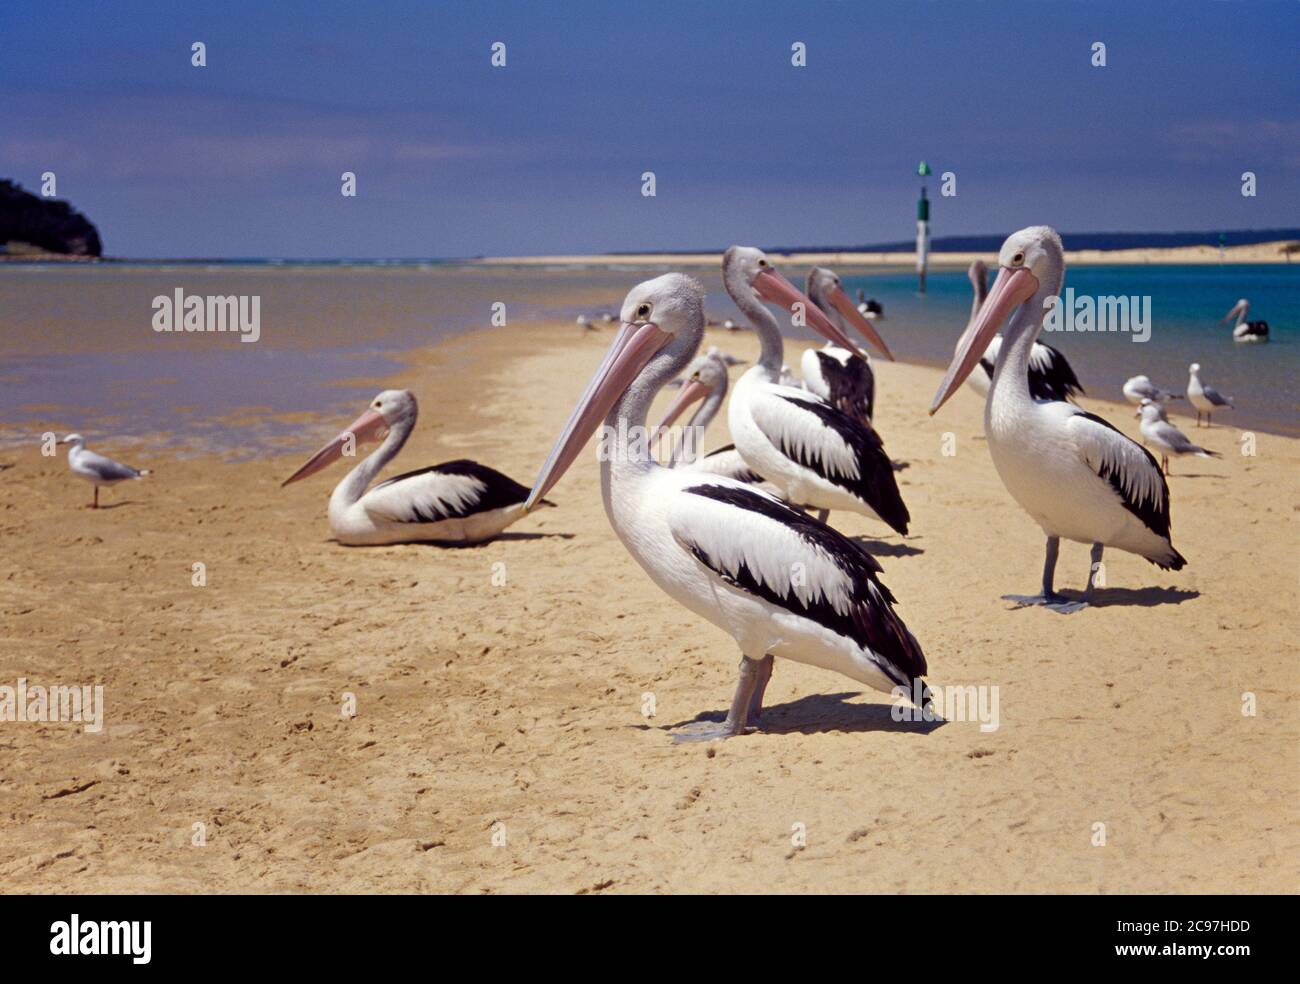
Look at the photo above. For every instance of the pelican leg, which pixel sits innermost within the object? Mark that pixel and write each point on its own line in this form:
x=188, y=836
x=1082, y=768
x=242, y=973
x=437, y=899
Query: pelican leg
x=95, y=503
x=1093, y=567
x=756, y=699
x=737, y=716
x=1049, y=598
x=1164, y=458
x=823, y=515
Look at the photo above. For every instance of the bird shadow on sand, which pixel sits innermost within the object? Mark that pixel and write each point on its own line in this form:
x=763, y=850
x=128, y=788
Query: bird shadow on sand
x=883, y=548
x=458, y=545
x=114, y=505
x=1195, y=475
x=1121, y=597
x=822, y=713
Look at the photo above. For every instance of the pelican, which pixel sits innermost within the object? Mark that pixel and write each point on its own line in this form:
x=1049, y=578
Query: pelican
x=706, y=379
x=1050, y=374
x=1141, y=388
x=455, y=502
x=1243, y=330
x=97, y=469
x=813, y=453
x=1074, y=473
x=1167, y=438
x=869, y=307
x=840, y=377
x=779, y=582
x=1206, y=399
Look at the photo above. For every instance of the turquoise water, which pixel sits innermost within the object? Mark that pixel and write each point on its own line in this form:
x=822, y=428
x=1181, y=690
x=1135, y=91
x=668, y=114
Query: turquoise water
x=1186, y=305
x=77, y=350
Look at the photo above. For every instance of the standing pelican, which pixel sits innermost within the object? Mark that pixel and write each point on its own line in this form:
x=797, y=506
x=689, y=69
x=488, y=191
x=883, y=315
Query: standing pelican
x=842, y=378
x=779, y=582
x=1165, y=437
x=1243, y=330
x=1206, y=399
x=1141, y=388
x=1073, y=472
x=1050, y=375
x=95, y=468
x=815, y=454
x=455, y=502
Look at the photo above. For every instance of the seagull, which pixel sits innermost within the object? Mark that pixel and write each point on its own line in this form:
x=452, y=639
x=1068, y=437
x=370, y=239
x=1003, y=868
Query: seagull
x=1206, y=399
x=1243, y=330
x=778, y=581
x=1141, y=388
x=1167, y=438
x=1074, y=473
x=95, y=468
x=454, y=502
x=584, y=323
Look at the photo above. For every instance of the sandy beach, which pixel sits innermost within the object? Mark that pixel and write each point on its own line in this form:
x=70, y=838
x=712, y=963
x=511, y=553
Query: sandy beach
x=499, y=743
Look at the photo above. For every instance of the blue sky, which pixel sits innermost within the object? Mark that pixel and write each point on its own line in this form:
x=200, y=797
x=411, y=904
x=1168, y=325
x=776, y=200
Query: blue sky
x=457, y=158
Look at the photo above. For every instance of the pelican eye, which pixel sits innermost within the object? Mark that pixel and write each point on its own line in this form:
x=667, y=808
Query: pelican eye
x=762, y=263
x=1018, y=258
x=643, y=312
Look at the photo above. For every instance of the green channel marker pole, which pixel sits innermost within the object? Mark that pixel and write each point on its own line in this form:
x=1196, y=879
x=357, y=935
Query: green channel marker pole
x=922, y=228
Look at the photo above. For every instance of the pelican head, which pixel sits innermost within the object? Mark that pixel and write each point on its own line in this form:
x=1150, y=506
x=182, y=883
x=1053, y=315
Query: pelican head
x=663, y=324
x=386, y=411
x=1028, y=259
x=827, y=292
x=1238, y=311
x=746, y=271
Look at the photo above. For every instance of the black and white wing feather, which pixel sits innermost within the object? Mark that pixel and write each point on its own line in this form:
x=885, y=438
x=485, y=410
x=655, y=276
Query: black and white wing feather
x=760, y=546
x=834, y=445
x=452, y=490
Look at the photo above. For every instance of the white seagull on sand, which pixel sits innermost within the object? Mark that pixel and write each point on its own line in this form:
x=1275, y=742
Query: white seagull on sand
x=95, y=468
x=1141, y=388
x=1165, y=437
x=1206, y=399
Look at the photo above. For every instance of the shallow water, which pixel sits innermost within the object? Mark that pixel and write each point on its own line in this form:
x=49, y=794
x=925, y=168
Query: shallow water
x=77, y=350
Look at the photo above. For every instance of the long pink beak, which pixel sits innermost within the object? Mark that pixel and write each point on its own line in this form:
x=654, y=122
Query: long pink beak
x=634, y=346
x=775, y=289
x=850, y=311
x=368, y=427
x=691, y=391
x=1011, y=289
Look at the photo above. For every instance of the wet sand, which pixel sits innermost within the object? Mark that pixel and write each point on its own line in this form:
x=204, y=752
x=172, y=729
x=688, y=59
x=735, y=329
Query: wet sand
x=499, y=743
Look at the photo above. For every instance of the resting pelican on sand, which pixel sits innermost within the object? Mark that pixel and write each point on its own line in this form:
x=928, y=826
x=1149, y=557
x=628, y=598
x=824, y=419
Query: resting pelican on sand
x=1074, y=473
x=1243, y=330
x=842, y=378
x=706, y=379
x=724, y=550
x=815, y=454
x=455, y=502
x=1050, y=374
x=95, y=468
x=1141, y=388
x=1165, y=437
x=1206, y=399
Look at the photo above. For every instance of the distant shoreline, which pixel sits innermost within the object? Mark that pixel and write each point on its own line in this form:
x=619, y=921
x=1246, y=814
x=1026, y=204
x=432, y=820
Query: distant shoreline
x=1271, y=252
x=1277, y=251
